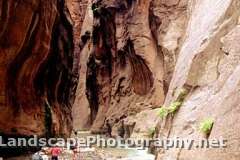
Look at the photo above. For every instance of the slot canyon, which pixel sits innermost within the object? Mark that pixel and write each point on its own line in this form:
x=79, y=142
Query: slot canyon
x=124, y=68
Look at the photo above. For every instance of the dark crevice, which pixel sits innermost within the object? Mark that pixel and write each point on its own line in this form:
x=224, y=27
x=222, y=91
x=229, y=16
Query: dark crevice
x=154, y=23
x=142, y=78
x=92, y=87
x=55, y=76
x=103, y=38
x=122, y=58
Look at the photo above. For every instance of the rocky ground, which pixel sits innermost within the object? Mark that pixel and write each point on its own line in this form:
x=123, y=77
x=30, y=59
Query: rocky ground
x=98, y=154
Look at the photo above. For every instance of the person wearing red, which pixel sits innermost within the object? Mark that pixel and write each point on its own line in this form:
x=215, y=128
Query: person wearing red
x=55, y=152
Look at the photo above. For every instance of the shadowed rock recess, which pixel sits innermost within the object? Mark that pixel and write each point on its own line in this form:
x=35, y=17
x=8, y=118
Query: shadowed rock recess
x=37, y=84
x=142, y=54
x=120, y=66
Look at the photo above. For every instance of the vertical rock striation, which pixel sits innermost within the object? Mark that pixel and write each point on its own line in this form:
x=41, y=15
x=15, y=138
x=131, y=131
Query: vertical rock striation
x=36, y=68
x=137, y=55
x=83, y=26
x=208, y=64
x=124, y=70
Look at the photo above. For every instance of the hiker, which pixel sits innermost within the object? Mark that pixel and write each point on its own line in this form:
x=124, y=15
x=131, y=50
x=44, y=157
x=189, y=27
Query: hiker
x=75, y=153
x=55, y=152
x=37, y=156
x=41, y=155
x=109, y=129
x=74, y=147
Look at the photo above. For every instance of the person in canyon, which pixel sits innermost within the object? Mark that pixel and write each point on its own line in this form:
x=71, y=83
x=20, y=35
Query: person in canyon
x=76, y=153
x=109, y=128
x=55, y=152
x=41, y=155
x=37, y=156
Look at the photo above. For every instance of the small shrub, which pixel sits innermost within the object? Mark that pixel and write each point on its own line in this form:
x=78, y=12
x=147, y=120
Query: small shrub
x=151, y=132
x=174, y=107
x=182, y=94
x=206, y=125
x=163, y=112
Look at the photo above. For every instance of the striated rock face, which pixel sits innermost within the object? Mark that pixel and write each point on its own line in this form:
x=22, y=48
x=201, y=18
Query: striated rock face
x=208, y=64
x=36, y=62
x=79, y=14
x=124, y=70
x=132, y=56
x=77, y=9
x=141, y=54
x=129, y=60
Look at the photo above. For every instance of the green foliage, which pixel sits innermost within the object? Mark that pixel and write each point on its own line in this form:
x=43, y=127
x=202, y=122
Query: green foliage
x=206, y=125
x=163, y=112
x=174, y=107
x=151, y=132
x=182, y=94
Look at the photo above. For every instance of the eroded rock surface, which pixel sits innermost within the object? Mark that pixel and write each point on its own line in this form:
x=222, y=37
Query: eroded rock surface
x=208, y=64
x=36, y=62
x=123, y=67
x=81, y=110
x=141, y=55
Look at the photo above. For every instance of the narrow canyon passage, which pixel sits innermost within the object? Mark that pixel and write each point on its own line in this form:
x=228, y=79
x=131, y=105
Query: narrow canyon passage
x=122, y=69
